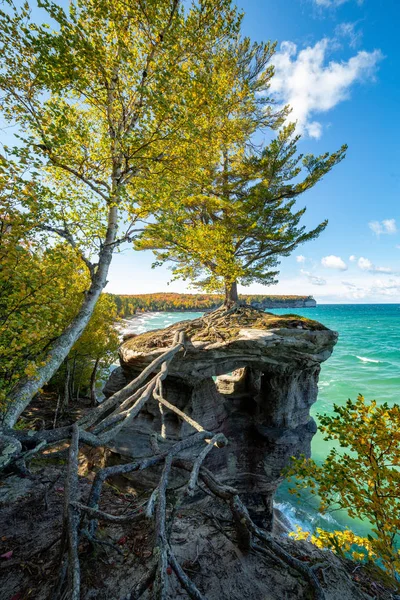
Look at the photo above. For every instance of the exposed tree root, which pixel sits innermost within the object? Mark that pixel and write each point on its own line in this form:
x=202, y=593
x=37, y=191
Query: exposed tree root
x=100, y=425
x=244, y=522
x=158, y=512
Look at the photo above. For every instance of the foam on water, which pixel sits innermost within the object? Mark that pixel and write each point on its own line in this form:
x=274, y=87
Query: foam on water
x=368, y=360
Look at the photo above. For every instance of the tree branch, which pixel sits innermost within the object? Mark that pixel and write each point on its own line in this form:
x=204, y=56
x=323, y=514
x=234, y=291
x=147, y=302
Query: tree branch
x=64, y=233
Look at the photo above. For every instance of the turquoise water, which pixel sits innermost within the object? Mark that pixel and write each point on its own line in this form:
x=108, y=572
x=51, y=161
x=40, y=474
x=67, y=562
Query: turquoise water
x=365, y=360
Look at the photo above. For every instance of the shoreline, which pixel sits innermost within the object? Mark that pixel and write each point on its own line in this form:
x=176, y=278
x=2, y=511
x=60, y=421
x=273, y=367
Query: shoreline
x=199, y=310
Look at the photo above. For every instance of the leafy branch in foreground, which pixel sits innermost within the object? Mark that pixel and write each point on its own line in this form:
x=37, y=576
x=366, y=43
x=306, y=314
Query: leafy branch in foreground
x=363, y=479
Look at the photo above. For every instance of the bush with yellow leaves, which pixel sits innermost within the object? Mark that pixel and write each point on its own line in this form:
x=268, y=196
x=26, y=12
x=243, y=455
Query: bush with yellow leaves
x=363, y=478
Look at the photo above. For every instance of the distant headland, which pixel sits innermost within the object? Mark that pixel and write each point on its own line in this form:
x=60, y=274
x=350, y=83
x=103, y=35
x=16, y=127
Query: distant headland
x=128, y=305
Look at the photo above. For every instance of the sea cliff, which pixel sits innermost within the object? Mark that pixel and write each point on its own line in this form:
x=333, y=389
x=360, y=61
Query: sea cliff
x=250, y=375
x=278, y=302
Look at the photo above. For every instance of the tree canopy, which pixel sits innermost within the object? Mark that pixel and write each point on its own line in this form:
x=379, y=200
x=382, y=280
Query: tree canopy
x=239, y=218
x=41, y=289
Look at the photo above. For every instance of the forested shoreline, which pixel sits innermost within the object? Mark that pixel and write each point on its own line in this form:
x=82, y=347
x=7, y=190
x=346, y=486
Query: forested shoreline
x=128, y=305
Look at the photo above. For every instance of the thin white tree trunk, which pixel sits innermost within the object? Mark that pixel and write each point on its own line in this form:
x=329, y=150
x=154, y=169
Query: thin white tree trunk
x=93, y=399
x=25, y=390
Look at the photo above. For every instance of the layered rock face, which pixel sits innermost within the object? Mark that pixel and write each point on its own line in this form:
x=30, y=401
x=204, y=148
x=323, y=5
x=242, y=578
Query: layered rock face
x=253, y=377
x=270, y=303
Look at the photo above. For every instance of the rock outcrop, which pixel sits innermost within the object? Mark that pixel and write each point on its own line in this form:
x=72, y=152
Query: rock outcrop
x=252, y=376
x=269, y=302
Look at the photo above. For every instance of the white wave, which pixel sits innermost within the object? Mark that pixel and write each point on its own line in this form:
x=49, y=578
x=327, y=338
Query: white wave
x=291, y=515
x=328, y=517
x=367, y=360
x=308, y=520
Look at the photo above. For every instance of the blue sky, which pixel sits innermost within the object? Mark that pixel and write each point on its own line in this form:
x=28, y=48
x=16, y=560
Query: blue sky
x=338, y=65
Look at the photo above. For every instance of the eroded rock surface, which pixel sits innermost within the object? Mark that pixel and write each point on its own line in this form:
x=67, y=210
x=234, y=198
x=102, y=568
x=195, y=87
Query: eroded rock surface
x=252, y=376
x=31, y=511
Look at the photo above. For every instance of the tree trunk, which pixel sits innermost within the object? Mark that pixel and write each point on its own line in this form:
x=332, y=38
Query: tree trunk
x=231, y=294
x=66, y=386
x=93, y=399
x=57, y=409
x=72, y=379
x=21, y=395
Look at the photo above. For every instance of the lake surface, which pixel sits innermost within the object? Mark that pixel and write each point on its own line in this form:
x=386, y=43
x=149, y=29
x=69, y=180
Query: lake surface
x=365, y=360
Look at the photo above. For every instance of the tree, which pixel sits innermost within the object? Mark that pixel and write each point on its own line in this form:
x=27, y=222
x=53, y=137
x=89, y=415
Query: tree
x=40, y=292
x=91, y=356
x=233, y=224
x=363, y=478
x=108, y=95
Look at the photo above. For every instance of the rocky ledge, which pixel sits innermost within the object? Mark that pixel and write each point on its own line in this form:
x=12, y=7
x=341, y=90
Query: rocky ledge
x=248, y=374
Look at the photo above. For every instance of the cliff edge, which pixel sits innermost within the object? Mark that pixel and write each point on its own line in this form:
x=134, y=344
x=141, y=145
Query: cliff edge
x=250, y=375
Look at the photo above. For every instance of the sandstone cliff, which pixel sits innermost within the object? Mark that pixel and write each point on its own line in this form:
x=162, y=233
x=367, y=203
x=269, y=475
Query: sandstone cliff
x=252, y=376
x=269, y=302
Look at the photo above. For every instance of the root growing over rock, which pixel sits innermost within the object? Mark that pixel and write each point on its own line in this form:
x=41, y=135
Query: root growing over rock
x=101, y=424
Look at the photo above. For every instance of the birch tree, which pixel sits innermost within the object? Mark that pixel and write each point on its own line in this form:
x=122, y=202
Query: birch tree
x=105, y=95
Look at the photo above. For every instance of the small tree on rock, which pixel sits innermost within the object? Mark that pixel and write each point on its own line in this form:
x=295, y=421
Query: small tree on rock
x=239, y=218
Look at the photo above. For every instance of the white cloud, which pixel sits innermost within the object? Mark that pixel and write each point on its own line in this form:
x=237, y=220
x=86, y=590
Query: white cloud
x=352, y=258
x=334, y=262
x=348, y=30
x=305, y=81
x=313, y=279
x=386, y=288
x=366, y=265
x=300, y=258
x=361, y=286
x=379, y=289
x=351, y=286
x=390, y=225
x=376, y=227
x=386, y=226
x=354, y=291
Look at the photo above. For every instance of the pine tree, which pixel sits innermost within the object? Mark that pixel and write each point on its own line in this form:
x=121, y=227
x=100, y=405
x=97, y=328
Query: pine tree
x=233, y=225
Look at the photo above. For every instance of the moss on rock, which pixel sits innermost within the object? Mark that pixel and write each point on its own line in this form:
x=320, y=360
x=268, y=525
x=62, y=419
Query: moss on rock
x=221, y=325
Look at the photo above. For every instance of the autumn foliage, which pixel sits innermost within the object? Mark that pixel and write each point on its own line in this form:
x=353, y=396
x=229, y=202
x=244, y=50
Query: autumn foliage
x=128, y=305
x=41, y=288
x=100, y=99
x=362, y=476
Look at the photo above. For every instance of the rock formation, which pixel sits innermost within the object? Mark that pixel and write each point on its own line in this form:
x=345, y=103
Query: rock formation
x=271, y=302
x=248, y=374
